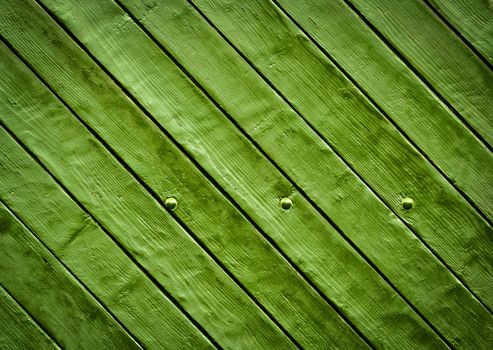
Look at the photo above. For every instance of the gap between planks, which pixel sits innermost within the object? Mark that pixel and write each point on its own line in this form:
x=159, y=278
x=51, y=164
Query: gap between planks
x=466, y=42
x=466, y=286
x=35, y=321
x=397, y=52
x=422, y=153
x=114, y=240
x=247, y=136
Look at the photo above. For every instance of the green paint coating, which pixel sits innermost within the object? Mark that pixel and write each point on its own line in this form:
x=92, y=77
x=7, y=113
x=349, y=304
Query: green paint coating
x=373, y=147
x=279, y=282
x=302, y=245
x=473, y=19
x=37, y=280
x=90, y=254
x=171, y=203
x=18, y=331
x=155, y=240
x=141, y=225
x=286, y=203
x=439, y=55
x=407, y=203
x=401, y=94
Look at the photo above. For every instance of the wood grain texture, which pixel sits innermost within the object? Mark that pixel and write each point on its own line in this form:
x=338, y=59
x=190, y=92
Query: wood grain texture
x=368, y=142
x=18, y=331
x=107, y=51
x=215, y=218
x=359, y=291
x=89, y=253
x=156, y=85
x=137, y=221
x=472, y=19
x=228, y=234
x=439, y=55
x=38, y=281
x=399, y=92
x=200, y=123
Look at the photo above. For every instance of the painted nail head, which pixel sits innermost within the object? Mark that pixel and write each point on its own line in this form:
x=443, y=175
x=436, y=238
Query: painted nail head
x=286, y=203
x=407, y=203
x=171, y=203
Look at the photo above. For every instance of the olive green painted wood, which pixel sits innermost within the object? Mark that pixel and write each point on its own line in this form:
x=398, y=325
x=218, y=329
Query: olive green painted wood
x=38, y=281
x=18, y=331
x=295, y=201
x=144, y=64
x=137, y=68
x=400, y=93
x=368, y=301
x=136, y=220
x=439, y=55
x=473, y=19
x=368, y=142
x=233, y=239
x=91, y=255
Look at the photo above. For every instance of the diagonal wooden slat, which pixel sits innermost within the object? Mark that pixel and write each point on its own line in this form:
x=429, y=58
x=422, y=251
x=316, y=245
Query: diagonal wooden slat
x=329, y=262
x=90, y=254
x=18, y=331
x=153, y=96
x=416, y=111
x=438, y=55
x=51, y=295
x=144, y=65
x=386, y=162
x=472, y=21
x=248, y=256
x=136, y=220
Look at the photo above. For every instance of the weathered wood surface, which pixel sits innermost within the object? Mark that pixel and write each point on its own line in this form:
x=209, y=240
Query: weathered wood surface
x=110, y=108
x=327, y=263
x=69, y=232
x=361, y=135
x=436, y=52
x=310, y=309
x=110, y=45
x=67, y=311
x=138, y=222
x=17, y=329
x=403, y=97
x=472, y=20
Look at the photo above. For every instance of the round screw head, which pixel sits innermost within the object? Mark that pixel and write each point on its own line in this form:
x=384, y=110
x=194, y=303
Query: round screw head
x=407, y=203
x=286, y=203
x=171, y=203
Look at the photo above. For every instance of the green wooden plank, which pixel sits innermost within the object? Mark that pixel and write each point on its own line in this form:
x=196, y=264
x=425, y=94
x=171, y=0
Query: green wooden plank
x=51, y=294
x=369, y=143
x=358, y=291
x=137, y=221
x=91, y=255
x=283, y=291
x=473, y=20
x=17, y=329
x=162, y=102
x=347, y=288
x=400, y=93
x=438, y=55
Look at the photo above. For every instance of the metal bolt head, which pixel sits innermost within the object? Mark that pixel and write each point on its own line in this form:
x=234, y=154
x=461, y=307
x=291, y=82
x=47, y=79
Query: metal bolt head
x=407, y=203
x=171, y=203
x=286, y=203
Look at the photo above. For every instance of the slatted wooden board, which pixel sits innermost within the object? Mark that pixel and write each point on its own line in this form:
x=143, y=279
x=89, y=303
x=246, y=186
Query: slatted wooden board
x=258, y=174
